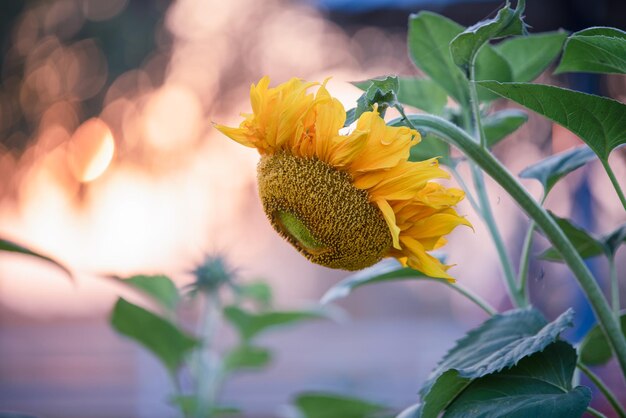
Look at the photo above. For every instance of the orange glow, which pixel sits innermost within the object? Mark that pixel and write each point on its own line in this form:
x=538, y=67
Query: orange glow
x=91, y=150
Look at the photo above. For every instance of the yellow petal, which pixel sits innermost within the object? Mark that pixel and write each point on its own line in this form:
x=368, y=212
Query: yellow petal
x=390, y=218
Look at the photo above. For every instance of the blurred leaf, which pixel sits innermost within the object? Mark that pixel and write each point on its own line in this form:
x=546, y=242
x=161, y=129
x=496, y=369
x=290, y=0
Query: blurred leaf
x=539, y=386
x=507, y=22
x=490, y=65
x=387, y=270
x=381, y=91
x=614, y=240
x=326, y=405
x=595, y=349
x=499, y=125
x=350, y=117
x=429, y=38
x=530, y=55
x=598, y=121
x=247, y=357
x=12, y=247
x=257, y=291
x=550, y=170
x=249, y=324
x=158, y=287
x=499, y=343
x=187, y=404
x=586, y=245
x=422, y=93
x=165, y=340
x=595, y=50
x=431, y=146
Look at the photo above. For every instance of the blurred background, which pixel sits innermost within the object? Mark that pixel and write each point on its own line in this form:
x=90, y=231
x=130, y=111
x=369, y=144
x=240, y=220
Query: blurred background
x=109, y=163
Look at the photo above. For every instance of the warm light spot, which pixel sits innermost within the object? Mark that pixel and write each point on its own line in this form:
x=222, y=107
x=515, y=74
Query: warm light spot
x=91, y=150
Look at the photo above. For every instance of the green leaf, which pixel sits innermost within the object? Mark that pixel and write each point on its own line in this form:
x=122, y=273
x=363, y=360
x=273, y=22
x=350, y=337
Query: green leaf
x=490, y=65
x=249, y=324
x=423, y=94
x=499, y=343
x=499, y=125
x=429, y=147
x=164, y=339
x=159, y=287
x=429, y=38
x=600, y=122
x=412, y=411
x=539, y=386
x=466, y=44
x=247, y=357
x=550, y=170
x=327, y=405
x=350, y=117
x=259, y=292
x=530, y=55
x=595, y=349
x=586, y=245
x=614, y=240
x=387, y=270
x=595, y=50
x=381, y=91
x=12, y=247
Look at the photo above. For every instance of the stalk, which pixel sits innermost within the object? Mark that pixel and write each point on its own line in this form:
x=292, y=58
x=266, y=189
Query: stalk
x=603, y=388
x=616, y=186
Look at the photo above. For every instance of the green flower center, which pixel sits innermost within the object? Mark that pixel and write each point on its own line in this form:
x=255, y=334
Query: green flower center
x=320, y=212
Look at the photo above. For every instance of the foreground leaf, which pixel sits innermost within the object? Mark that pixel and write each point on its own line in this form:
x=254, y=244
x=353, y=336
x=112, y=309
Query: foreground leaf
x=387, y=270
x=250, y=324
x=12, y=247
x=429, y=38
x=507, y=22
x=247, y=357
x=600, y=122
x=164, y=339
x=530, y=55
x=497, y=344
x=553, y=168
x=539, y=386
x=595, y=50
x=327, y=405
x=595, y=349
x=586, y=245
x=159, y=287
x=499, y=125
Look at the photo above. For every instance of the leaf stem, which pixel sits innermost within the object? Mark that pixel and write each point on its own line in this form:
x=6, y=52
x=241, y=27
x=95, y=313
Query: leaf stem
x=400, y=110
x=614, y=288
x=616, y=186
x=524, y=264
x=595, y=412
x=475, y=104
x=456, y=136
x=603, y=388
x=479, y=301
x=470, y=197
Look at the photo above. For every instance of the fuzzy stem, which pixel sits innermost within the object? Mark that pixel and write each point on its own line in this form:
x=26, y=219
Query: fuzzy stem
x=603, y=388
x=616, y=186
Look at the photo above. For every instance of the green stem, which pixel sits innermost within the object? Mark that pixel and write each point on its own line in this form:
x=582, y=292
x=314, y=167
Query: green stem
x=492, y=226
x=524, y=262
x=208, y=369
x=616, y=186
x=603, y=388
x=471, y=199
x=595, y=412
x=400, y=110
x=614, y=288
x=456, y=136
x=483, y=304
x=475, y=104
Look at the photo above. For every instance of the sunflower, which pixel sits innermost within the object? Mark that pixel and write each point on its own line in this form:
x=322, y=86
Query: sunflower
x=345, y=201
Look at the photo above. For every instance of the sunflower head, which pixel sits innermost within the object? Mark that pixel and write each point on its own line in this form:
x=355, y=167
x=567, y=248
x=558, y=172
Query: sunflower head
x=345, y=201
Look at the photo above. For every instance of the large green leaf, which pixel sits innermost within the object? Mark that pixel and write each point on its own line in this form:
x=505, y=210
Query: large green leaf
x=158, y=287
x=327, y=405
x=246, y=357
x=530, y=55
x=250, y=324
x=599, y=121
x=499, y=343
x=465, y=45
x=553, y=168
x=499, y=125
x=490, y=65
x=595, y=349
x=429, y=38
x=586, y=244
x=387, y=270
x=595, y=50
x=164, y=339
x=12, y=247
x=539, y=386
